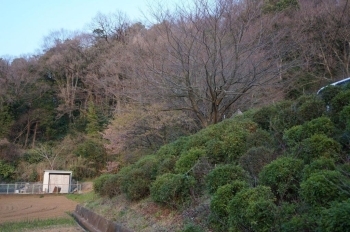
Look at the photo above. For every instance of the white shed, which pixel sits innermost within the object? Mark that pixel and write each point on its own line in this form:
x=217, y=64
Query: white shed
x=56, y=181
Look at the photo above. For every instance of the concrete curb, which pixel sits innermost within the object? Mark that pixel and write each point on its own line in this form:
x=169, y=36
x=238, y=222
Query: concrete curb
x=94, y=222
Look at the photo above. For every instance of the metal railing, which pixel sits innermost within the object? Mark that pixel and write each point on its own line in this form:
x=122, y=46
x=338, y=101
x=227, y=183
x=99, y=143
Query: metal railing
x=37, y=188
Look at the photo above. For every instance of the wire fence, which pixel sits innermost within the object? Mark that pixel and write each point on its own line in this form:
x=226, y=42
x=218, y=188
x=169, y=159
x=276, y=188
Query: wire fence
x=38, y=188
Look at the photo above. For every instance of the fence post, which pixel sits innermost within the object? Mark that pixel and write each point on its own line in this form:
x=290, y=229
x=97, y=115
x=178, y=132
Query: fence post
x=7, y=190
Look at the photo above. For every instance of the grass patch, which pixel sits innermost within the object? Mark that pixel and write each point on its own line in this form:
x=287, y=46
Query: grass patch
x=29, y=225
x=82, y=198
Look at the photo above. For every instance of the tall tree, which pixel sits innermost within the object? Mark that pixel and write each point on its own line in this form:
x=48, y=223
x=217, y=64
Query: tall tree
x=204, y=58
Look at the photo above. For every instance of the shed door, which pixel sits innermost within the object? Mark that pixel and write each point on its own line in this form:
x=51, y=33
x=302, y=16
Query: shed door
x=59, y=181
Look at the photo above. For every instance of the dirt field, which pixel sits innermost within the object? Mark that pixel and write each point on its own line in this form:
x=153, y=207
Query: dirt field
x=20, y=207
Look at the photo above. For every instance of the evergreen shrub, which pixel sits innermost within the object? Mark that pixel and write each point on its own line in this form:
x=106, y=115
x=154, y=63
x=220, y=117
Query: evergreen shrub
x=283, y=176
x=255, y=159
x=252, y=209
x=188, y=159
x=224, y=174
x=318, y=165
x=99, y=182
x=325, y=186
x=219, y=204
x=317, y=146
x=172, y=189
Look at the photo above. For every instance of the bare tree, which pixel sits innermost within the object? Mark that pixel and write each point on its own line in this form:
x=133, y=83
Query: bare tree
x=204, y=58
x=322, y=33
x=49, y=153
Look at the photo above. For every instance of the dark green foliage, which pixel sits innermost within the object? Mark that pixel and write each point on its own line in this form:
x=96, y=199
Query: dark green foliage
x=6, y=121
x=255, y=159
x=318, y=146
x=252, y=209
x=321, y=125
x=344, y=118
x=336, y=218
x=32, y=157
x=219, y=204
x=277, y=118
x=302, y=222
x=222, y=175
x=6, y=170
x=263, y=117
x=325, y=186
x=135, y=184
x=283, y=176
x=172, y=189
x=318, y=165
x=285, y=117
x=224, y=142
x=188, y=159
x=94, y=152
x=341, y=100
x=190, y=227
x=173, y=149
x=260, y=138
x=215, y=150
x=329, y=93
x=310, y=107
x=99, y=182
x=111, y=186
x=92, y=126
x=136, y=179
x=167, y=164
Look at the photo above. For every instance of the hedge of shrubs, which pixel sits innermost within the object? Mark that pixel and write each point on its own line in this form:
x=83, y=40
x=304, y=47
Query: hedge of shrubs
x=284, y=167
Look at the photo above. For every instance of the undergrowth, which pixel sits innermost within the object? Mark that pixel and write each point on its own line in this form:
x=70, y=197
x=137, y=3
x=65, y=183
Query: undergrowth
x=30, y=225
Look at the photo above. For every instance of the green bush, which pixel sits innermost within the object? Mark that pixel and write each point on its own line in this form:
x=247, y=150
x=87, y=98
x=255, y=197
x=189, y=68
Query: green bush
x=222, y=175
x=135, y=180
x=99, y=182
x=234, y=146
x=174, y=148
x=336, y=218
x=135, y=184
x=318, y=165
x=219, y=204
x=252, y=209
x=94, y=152
x=317, y=146
x=341, y=100
x=321, y=125
x=167, y=164
x=302, y=222
x=285, y=117
x=190, y=227
x=263, y=117
x=216, y=151
x=344, y=117
x=255, y=159
x=293, y=135
x=111, y=186
x=172, y=189
x=311, y=107
x=283, y=176
x=323, y=187
x=260, y=138
x=329, y=93
x=188, y=159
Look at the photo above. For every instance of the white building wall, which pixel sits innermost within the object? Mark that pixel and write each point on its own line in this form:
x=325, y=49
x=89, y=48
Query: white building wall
x=59, y=179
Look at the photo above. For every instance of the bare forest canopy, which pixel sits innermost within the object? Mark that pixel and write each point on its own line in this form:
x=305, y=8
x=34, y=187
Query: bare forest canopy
x=124, y=88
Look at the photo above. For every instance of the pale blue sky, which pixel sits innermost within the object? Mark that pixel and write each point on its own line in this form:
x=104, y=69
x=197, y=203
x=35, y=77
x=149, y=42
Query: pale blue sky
x=24, y=23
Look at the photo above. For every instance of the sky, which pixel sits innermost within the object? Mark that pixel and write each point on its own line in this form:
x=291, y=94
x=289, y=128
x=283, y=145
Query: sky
x=25, y=23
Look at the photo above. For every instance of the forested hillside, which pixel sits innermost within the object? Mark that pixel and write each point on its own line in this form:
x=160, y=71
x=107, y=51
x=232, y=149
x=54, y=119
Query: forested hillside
x=107, y=100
